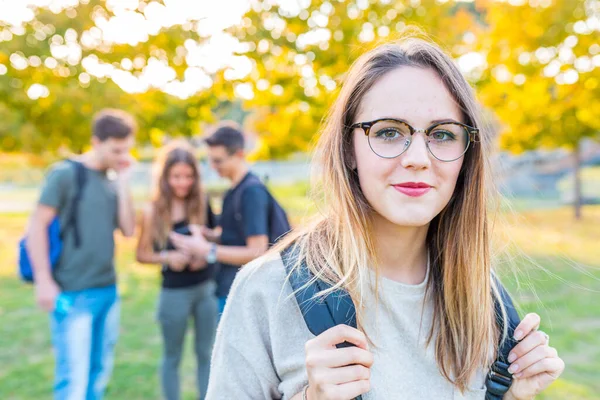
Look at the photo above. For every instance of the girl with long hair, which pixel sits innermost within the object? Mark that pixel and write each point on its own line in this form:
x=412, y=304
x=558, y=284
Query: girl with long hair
x=404, y=229
x=179, y=204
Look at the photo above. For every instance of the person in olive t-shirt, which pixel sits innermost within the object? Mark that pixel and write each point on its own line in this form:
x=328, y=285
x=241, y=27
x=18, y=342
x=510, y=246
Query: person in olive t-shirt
x=80, y=293
x=179, y=204
x=243, y=234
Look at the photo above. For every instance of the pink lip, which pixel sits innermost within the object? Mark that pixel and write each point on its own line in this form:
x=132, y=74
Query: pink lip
x=413, y=189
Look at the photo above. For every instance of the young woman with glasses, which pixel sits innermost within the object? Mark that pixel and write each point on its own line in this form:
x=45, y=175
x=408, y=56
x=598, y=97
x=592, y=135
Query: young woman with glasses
x=404, y=229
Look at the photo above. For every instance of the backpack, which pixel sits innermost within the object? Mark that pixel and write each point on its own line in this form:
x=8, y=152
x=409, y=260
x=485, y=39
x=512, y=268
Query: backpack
x=278, y=221
x=56, y=233
x=338, y=308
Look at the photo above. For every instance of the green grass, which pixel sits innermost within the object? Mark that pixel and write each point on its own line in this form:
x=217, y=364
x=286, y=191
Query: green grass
x=567, y=298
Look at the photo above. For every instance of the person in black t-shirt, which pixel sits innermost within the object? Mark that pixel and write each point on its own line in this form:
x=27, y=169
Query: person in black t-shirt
x=188, y=288
x=244, y=221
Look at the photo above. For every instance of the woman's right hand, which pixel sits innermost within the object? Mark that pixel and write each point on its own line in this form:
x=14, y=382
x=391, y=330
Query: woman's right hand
x=338, y=374
x=176, y=260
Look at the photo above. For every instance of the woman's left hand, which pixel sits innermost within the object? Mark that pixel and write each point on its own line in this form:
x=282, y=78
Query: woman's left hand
x=198, y=263
x=534, y=364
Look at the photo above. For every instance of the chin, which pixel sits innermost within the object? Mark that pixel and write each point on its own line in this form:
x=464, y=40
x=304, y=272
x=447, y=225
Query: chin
x=412, y=218
x=182, y=195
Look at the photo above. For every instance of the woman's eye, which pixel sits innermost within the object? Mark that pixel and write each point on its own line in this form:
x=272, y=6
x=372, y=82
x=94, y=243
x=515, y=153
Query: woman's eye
x=389, y=133
x=442, y=135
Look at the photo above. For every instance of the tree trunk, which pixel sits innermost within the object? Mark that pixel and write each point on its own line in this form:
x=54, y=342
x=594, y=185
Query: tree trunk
x=577, y=187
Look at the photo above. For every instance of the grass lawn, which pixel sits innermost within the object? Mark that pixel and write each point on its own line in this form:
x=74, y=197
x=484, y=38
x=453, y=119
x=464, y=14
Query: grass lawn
x=566, y=295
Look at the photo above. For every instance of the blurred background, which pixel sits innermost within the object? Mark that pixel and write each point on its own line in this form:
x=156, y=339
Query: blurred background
x=274, y=66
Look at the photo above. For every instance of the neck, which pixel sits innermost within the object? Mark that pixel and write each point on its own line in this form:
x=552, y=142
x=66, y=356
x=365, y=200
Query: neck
x=401, y=251
x=239, y=174
x=178, y=210
x=92, y=161
x=178, y=202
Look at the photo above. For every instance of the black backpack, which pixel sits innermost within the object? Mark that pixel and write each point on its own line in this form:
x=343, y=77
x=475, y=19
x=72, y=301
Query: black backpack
x=338, y=308
x=278, y=221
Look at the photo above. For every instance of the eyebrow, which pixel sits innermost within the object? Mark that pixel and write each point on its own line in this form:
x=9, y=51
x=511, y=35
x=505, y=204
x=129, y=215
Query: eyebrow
x=434, y=121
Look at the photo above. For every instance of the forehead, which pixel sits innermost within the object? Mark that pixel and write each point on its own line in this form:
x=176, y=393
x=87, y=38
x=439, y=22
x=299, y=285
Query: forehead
x=217, y=151
x=119, y=143
x=182, y=167
x=416, y=95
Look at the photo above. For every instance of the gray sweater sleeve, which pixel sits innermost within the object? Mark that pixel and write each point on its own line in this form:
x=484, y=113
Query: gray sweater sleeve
x=259, y=349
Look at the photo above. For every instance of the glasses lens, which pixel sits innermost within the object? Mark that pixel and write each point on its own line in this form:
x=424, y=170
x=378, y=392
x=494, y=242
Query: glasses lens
x=448, y=142
x=389, y=139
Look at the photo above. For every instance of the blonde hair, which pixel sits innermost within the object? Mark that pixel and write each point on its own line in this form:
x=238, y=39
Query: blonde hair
x=338, y=246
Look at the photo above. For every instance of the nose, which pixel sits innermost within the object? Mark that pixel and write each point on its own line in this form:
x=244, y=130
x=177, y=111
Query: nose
x=417, y=155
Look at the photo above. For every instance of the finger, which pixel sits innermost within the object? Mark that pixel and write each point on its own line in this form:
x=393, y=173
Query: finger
x=196, y=230
x=180, y=243
x=533, y=340
x=534, y=356
x=530, y=323
x=339, y=358
x=176, y=236
x=553, y=366
x=348, y=390
x=346, y=374
x=339, y=334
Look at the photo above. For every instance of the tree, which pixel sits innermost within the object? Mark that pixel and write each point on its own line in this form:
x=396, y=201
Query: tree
x=60, y=67
x=300, y=54
x=540, y=76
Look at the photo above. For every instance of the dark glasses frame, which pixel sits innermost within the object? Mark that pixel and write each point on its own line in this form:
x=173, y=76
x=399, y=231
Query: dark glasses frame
x=473, y=134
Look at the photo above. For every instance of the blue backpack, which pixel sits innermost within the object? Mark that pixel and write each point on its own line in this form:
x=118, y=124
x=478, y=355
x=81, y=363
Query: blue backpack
x=338, y=308
x=56, y=233
x=278, y=223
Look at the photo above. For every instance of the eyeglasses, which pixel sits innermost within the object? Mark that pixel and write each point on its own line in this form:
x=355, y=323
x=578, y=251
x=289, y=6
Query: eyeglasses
x=446, y=140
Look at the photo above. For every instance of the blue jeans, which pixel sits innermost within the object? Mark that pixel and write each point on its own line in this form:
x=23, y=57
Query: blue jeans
x=84, y=332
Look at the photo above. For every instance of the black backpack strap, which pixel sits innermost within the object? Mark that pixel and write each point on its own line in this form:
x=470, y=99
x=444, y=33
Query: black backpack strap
x=319, y=314
x=80, y=180
x=499, y=379
x=337, y=308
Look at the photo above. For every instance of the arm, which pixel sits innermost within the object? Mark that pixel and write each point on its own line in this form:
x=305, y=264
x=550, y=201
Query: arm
x=255, y=211
x=126, y=211
x=53, y=196
x=255, y=247
x=145, y=252
x=46, y=289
